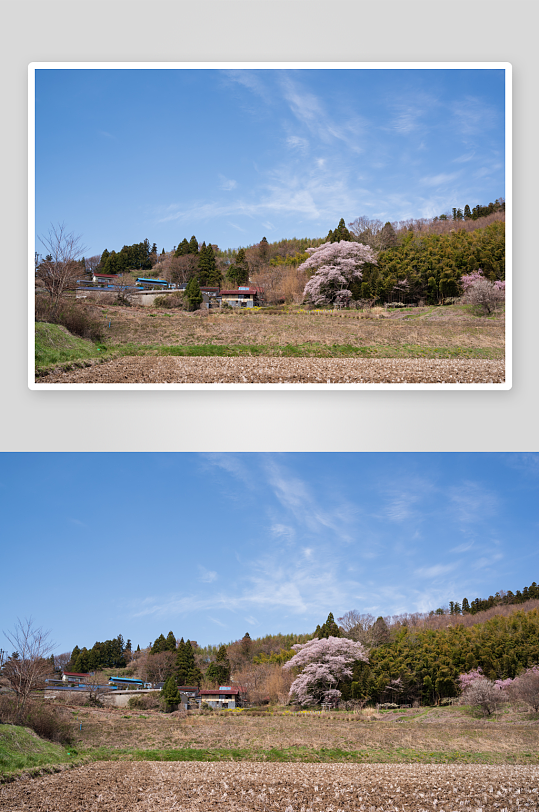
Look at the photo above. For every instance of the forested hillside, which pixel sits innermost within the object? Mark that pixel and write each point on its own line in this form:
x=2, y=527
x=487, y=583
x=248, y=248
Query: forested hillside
x=417, y=260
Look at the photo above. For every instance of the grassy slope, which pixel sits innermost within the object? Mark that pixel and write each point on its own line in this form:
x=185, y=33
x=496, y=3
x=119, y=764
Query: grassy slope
x=54, y=345
x=21, y=750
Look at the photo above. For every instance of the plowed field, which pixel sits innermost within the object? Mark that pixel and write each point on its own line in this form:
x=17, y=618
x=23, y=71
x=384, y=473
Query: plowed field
x=151, y=786
x=162, y=370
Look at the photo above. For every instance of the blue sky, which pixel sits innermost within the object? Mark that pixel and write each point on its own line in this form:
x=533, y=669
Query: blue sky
x=213, y=545
x=232, y=155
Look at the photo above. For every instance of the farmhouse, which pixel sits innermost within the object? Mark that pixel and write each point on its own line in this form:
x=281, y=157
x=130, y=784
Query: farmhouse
x=241, y=297
x=222, y=697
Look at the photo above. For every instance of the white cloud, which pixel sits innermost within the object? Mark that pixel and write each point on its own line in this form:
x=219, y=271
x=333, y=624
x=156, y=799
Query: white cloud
x=227, y=183
x=472, y=502
x=206, y=576
x=436, y=570
x=439, y=180
x=296, y=142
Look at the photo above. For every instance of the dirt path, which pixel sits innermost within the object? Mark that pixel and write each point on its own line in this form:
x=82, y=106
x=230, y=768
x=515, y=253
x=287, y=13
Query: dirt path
x=151, y=369
x=189, y=786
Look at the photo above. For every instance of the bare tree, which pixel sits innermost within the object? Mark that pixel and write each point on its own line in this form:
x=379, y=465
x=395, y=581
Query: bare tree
x=96, y=685
x=27, y=668
x=91, y=263
x=59, y=273
x=61, y=660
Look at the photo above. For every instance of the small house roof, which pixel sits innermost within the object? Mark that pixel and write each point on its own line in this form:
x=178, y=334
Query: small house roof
x=219, y=692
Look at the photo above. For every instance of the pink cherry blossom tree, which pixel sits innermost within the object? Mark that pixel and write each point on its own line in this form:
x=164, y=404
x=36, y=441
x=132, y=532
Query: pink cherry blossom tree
x=324, y=663
x=482, y=293
x=336, y=265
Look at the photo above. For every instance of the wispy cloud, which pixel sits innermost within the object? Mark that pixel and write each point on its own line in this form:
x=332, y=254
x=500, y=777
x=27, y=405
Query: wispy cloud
x=472, y=116
x=310, y=111
x=472, y=502
x=436, y=570
x=296, y=142
x=206, y=576
x=227, y=183
x=441, y=179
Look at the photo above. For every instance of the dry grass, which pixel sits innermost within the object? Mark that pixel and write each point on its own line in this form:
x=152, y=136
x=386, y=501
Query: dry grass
x=429, y=327
x=117, y=787
x=424, y=729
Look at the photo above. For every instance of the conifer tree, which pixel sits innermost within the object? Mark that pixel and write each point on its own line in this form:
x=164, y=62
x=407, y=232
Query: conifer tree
x=246, y=643
x=192, y=294
x=193, y=245
x=170, y=695
x=388, y=237
x=183, y=249
x=467, y=212
x=187, y=671
x=159, y=645
x=138, y=647
x=340, y=233
x=203, y=261
x=329, y=628
x=219, y=671
x=170, y=642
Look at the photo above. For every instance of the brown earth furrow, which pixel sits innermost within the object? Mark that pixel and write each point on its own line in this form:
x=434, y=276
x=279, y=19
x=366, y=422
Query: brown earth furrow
x=186, y=786
x=240, y=370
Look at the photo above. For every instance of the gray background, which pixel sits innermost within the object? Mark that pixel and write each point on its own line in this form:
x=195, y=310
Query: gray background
x=268, y=30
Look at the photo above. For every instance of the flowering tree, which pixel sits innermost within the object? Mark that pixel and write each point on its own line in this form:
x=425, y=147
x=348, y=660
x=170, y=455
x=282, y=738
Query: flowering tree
x=324, y=663
x=336, y=265
x=482, y=293
x=525, y=688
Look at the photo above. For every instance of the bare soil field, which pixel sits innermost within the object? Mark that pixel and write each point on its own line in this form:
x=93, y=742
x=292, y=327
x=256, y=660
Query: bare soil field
x=208, y=370
x=187, y=786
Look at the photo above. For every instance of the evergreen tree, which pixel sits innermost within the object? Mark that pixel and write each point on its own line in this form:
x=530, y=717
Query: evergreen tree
x=246, y=643
x=74, y=654
x=263, y=249
x=465, y=606
x=219, y=671
x=159, y=645
x=388, y=237
x=162, y=252
x=213, y=274
x=153, y=249
x=203, y=265
x=329, y=628
x=340, y=233
x=138, y=647
x=183, y=249
x=170, y=642
x=467, y=212
x=170, y=696
x=193, y=245
x=187, y=671
x=192, y=294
